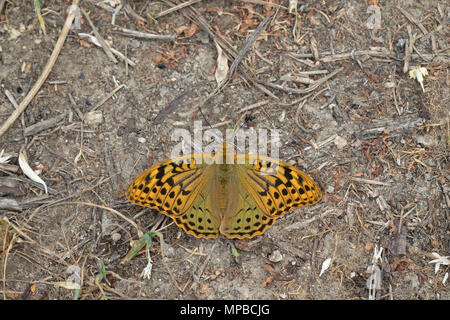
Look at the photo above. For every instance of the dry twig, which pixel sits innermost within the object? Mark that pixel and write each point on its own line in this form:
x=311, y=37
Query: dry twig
x=141, y=35
x=100, y=39
x=411, y=18
x=247, y=45
x=48, y=67
x=43, y=125
x=307, y=90
x=177, y=7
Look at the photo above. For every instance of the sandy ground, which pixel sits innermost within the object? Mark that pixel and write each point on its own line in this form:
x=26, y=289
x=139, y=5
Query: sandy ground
x=329, y=77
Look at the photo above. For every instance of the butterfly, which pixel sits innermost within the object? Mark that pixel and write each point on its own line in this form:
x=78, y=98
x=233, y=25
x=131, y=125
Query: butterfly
x=240, y=198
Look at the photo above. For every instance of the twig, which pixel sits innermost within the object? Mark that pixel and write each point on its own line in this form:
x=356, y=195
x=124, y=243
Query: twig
x=297, y=114
x=139, y=231
x=56, y=82
x=408, y=49
x=197, y=276
x=9, y=204
x=253, y=106
x=2, y=4
x=311, y=72
x=128, y=9
x=411, y=18
x=107, y=97
x=304, y=80
x=141, y=35
x=174, y=104
x=220, y=124
x=380, y=183
x=323, y=214
x=100, y=39
x=14, y=103
x=29, y=181
x=110, y=167
x=247, y=45
x=319, y=145
x=95, y=41
x=116, y=11
x=43, y=125
x=75, y=107
x=304, y=98
x=11, y=98
x=195, y=17
x=177, y=7
x=264, y=3
x=9, y=167
x=395, y=126
x=380, y=52
x=126, y=58
x=307, y=90
x=48, y=67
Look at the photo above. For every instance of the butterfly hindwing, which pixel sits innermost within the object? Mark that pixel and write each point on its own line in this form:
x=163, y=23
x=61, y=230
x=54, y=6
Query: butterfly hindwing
x=248, y=221
x=199, y=220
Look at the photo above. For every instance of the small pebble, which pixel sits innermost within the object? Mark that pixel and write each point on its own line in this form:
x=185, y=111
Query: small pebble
x=115, y=237
x=340, y=142
x=276, y=256
x=135, y=43
x=93, y=118
x=169, y=251
x=427, y=140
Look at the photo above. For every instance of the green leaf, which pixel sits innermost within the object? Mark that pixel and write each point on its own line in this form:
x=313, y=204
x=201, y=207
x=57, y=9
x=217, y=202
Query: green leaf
x=37, y=7
x=145, y=240
x=102, y=273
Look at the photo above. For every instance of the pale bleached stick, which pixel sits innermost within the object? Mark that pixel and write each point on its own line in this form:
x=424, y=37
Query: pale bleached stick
x=380, y=183
x=177, y=7
x=253, y=106
x=141, y=35
x=411, y=18
x=48, y=67
x=100, y=39
x=95, y=41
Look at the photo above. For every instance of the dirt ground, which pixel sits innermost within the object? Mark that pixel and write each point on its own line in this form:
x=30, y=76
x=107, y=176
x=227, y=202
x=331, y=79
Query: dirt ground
x=333, y=83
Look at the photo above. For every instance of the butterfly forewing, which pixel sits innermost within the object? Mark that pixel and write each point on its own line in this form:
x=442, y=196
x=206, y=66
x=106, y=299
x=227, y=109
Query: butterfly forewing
x=170, y=186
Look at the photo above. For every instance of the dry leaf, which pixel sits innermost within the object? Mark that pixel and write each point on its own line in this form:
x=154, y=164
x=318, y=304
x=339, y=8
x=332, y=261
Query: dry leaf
x=369, y=246
x=26, y=67
x=160, y=58
x=325, y=266
x=85, y=44
x=267, y=281
x=222, y=65
x=190, y=31
x=180, y=29
x=26, y=169
x=269, y=268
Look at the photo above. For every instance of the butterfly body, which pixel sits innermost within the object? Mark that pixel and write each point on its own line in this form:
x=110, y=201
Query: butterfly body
x=240, y=199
